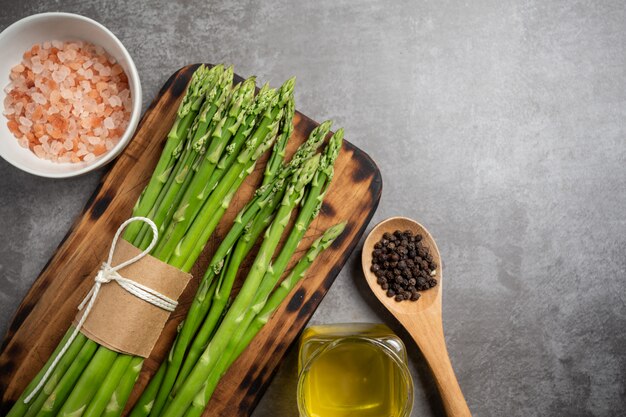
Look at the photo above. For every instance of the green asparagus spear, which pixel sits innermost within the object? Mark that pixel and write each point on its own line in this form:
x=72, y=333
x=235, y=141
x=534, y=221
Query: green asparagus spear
x=242, y=249
x=278, y=154
x=310, y=208
x=145, y=402
x=57, y=397
x=35, y=404
x=88, y=383
x=107, y=387
x=185, y=211
x=226, y=360
x=280, y=293
x=266, y=98
x=218, y=98
x=293, y=195
x=172, y=365
x=118, y=399
x=187, y=249
x=255, y=146
x=186, y=113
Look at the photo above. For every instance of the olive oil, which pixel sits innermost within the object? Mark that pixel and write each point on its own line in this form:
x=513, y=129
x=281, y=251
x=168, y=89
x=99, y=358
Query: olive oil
x=353, y=370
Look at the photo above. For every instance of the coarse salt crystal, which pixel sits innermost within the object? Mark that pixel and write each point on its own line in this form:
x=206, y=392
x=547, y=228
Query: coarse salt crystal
x=25, y=122
x=38, y=149
x=39, y=98
x=109, y=123
x=66, y=93
x=115, y=101
x=58, y=76
x=105, y=71
x=37, y=68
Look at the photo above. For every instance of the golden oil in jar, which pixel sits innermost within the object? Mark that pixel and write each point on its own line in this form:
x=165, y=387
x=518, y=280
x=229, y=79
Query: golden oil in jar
x=353, y=370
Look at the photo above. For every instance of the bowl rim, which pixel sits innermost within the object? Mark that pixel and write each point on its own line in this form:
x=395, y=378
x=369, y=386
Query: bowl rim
x=136, y=91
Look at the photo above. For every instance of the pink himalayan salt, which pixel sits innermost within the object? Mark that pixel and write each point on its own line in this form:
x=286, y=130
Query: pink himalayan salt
x=67, y=101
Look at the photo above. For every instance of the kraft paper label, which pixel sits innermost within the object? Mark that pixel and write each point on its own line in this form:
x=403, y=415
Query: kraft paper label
x=127, y=324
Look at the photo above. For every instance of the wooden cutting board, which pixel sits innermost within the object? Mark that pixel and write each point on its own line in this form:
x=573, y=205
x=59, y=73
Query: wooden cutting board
x=48, y=308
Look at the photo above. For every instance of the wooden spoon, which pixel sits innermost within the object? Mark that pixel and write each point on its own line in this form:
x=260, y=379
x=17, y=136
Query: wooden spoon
x=421, y=318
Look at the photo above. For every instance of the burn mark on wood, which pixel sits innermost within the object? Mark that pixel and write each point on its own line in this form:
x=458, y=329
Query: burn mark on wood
x=17, y=321
x=89, y=203
x=328, y=209
x=308, y=308
x=361, y=173
x=179, y=83
x=296, y=300
x=5, y=407
x=9, y=363
x=339, y=241
x=9, y=366
x=256, y=385
x=364, y=166
x=100, y=205
x=246, y=381
x=244, y=408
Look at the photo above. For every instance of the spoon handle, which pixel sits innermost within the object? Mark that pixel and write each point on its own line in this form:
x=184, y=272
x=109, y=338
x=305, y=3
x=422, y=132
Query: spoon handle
x=426, y=329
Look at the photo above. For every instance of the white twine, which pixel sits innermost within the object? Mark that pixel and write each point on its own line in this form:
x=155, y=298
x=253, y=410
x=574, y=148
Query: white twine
x=107, y=274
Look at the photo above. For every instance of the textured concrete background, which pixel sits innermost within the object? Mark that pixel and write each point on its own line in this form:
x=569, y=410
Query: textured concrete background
x=500, y=125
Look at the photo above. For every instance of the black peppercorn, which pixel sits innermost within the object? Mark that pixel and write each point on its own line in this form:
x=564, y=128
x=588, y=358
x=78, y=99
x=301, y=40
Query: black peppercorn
x=402, y=265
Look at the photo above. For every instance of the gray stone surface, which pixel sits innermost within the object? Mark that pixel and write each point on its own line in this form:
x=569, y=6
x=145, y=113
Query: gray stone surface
x=500, y=125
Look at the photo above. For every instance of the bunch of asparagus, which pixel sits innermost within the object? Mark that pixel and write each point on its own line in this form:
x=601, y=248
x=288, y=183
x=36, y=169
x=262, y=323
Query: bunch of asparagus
x=215, y=333
x=220, y=131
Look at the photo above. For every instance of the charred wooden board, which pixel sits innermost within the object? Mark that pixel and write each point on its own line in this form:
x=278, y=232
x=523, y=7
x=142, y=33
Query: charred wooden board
x=48, y=308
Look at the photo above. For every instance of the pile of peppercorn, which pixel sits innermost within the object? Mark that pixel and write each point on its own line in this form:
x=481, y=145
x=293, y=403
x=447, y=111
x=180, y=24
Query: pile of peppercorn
x=403, y=266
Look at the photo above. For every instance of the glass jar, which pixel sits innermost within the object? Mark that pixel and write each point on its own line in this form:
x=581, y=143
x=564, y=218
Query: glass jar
x=353, y=369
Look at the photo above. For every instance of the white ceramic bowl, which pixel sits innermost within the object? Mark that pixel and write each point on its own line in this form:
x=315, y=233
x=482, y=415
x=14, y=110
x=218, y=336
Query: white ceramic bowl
x=21, y=36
